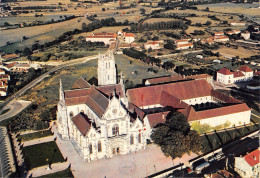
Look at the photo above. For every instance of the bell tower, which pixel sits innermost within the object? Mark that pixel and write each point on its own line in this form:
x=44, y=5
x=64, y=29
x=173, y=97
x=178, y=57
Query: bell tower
x=106, y=69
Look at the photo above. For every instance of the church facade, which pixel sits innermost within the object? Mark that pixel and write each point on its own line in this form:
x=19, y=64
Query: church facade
x=105, y=120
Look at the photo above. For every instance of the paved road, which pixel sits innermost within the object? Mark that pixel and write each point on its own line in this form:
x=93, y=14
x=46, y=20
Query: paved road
x=11, y=100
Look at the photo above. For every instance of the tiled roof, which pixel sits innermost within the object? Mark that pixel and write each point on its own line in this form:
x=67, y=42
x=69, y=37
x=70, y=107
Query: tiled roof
x=184, y=45
x=151, y=95
x=11, y=65
x=225, y=71
x=221, y=37
x=199, y=76
x=169, y=100
x=134, y=109
x=82, y=122
x=245, y=68
x=238, y=74
x=90, y=96
x=237, y=108
x=109, y=90
x=129, y=35
x=253, y=158
x=223, y=97
x=157, y=118
x=152, y=43
x=165, y=79
x=81, y=83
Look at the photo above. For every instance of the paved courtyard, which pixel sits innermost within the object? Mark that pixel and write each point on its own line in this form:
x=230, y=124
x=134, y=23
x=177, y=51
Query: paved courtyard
x=139, y=164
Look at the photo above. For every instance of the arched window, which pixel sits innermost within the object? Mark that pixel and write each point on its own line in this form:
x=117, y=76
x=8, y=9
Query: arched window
x=139, y=138
x=90, y=148
x=99, y=146
x=115, y=129
x=71, y=114
x=131, y=139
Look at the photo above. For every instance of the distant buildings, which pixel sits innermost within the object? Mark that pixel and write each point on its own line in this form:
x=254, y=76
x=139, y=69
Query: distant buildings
x=238, y=23
x=248, y=165
x=153, y=45
x=183, y=44
x=245, y=35
x=106, y=38
x=225, y=76
x=4, y=79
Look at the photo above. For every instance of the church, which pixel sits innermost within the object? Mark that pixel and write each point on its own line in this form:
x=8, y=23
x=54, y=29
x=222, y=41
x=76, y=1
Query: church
x=105, y=120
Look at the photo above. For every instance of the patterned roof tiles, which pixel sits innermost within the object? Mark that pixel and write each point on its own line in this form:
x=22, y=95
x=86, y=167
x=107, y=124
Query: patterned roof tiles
x=82, y=122
x=245, y=68
x=253, y=158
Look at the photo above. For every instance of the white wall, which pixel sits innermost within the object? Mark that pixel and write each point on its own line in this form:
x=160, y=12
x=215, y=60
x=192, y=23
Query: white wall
x=225, y=79
x=199, y=100
x=236, y=119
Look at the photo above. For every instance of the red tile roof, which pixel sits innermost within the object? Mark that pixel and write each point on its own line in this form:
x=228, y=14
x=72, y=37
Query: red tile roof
x=81, y=83
x=224, y=98
x=11, y=65
x=152, y=43
x=199, y=76
x=129, y=35
x=134, y=109
x=253, y=158
x=225, y=71
x=245, y=68
x=238, y=74
x=165, y=79
x=109, y=90
x=184, y=45
x=151, y=95
x=82, y=122
x=157, y=118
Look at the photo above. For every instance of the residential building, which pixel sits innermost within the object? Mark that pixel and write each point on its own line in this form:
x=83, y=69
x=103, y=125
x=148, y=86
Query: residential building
x=221, y=33
x=152, y=45
x=129, y=37
x=219, y=38
x=184, y=46
x=102, y=37
x=238, y=23
x=245, y=35
x=243, y=73
x=248, y=165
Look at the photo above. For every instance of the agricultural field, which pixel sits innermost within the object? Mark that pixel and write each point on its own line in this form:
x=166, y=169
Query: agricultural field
x=202, y=20
x=43, y=33
x=154, y=20
x=241, y=52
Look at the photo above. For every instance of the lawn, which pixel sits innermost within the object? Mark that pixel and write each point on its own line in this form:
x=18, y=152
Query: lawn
x=64, y=173
x=41, y=155
x=214, y=141
x=35, y=135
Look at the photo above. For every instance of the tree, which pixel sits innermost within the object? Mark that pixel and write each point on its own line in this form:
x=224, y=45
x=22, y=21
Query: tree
x=208, y=23
x=175, y=137
x=27, y=51
x=207, y=9
x=84, y=27
x=103, y=9
x=142, y=11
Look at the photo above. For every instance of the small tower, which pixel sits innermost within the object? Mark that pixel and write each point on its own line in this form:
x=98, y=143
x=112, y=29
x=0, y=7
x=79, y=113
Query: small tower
x=106, y=69
x=62, y=118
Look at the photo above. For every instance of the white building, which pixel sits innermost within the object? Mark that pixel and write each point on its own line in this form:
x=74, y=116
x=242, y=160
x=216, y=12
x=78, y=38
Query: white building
x=184, y=46
x=129, y=37
x=152, y=45
x=220, y=38
x=103, y=121
x=225, y=76
x=245, y=35
x=238, y=23
x=106, y=38
x=248, y=165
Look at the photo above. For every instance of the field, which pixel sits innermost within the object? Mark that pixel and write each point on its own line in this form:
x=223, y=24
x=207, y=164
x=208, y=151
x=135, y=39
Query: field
x=241, y=52
x=42, y=154
x=35, y=135
x=190, y=11
x=233, y=8
x=154, y=20
x=202, y=20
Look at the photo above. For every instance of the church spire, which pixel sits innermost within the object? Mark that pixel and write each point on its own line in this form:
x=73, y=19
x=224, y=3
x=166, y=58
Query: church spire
x=122, y=83
x=62, y=99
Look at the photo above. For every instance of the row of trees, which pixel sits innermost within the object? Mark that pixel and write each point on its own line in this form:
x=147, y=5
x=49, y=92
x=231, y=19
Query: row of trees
x=177, y=24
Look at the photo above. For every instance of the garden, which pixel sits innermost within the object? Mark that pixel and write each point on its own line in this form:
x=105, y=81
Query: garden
x=35, y=135
x=42, y=154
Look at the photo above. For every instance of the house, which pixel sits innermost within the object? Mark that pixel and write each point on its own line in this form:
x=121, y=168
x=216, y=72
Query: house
x=221, y=33
x=152, y=45
x=232, y=32
x=245, y=35
x=238, y=23
x=2, y=71
x=243, y=73
x=209, y=40
x=248, y=165
x=183, y=41
x=184, y=46
x=102, y=37
x=220, y=38
x=129, y=37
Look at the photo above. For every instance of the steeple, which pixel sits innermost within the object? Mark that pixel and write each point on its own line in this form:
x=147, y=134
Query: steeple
x=62, y=99
x=122, y=83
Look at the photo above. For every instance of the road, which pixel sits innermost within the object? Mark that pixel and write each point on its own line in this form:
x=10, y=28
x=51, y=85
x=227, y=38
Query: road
x=10, y=102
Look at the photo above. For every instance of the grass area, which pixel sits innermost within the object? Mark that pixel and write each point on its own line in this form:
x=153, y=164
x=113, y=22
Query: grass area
x=202, y=20
x=5, y=111
x=42, y=154
x=214, y=141
x=35, y=135
x=241, y=52
x=64, y=173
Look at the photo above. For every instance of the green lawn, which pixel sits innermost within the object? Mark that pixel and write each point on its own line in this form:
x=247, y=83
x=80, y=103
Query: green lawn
x=35, y=135
x=64, y=173
x=42, y=154
x=214, y=141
